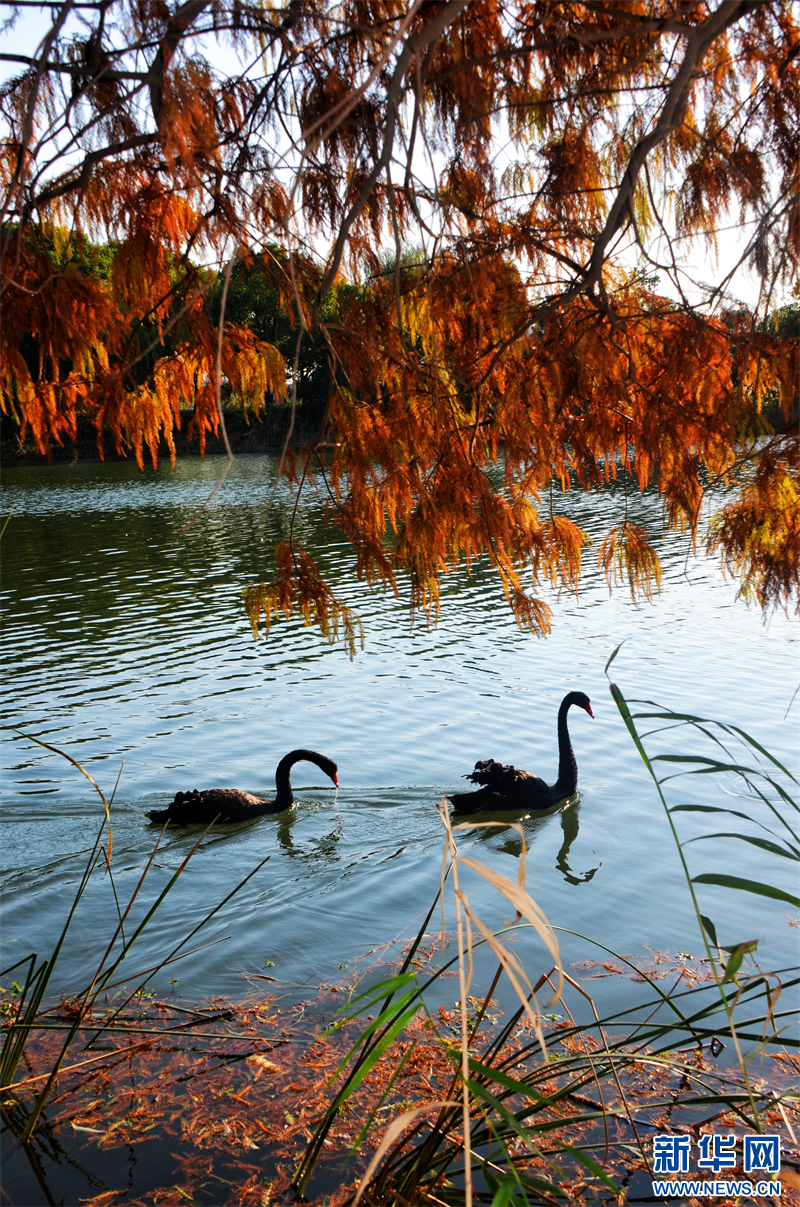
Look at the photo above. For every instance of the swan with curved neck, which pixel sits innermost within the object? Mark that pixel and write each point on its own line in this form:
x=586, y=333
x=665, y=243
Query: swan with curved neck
x=229, y=804
x=509, y=788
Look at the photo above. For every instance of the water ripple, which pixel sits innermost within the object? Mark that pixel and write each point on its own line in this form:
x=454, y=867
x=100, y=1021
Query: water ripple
x=120, y=645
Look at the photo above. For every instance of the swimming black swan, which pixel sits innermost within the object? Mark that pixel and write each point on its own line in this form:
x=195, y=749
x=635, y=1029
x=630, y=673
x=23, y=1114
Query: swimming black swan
x=508, y=788
x=229, y=804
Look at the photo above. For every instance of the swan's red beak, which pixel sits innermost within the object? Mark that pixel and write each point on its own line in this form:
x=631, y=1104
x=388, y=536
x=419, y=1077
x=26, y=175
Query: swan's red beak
x=335, y=779
x=589, y=710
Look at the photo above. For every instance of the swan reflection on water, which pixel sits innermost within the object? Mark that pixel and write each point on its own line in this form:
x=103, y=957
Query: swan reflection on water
x=532, y=824
x=325, y=847
x=570, y=824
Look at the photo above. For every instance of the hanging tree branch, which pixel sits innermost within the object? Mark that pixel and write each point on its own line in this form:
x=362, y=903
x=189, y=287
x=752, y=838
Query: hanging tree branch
x=501, y=150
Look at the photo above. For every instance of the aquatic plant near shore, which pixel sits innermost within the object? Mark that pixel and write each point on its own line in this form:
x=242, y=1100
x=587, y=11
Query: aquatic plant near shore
x=569, y=1110
x=29, y=1017
x=233, y=1089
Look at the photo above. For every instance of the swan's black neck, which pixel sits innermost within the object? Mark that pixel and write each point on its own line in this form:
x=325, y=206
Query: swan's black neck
x=284, y=796
x=567, y=767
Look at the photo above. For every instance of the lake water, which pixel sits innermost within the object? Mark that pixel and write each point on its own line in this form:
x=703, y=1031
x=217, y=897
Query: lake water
x=126, y=640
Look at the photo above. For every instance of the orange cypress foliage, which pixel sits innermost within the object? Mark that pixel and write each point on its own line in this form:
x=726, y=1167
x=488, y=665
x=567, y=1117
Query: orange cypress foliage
x=477, y=169
x=300, y=585
x=759, y=534
x=626, y=553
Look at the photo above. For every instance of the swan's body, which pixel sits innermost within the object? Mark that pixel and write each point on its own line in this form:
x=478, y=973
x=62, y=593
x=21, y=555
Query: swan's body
x=229, y=804
x=509, y=788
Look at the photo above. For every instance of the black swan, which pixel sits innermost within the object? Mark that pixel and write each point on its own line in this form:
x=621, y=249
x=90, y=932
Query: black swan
x=508, y=788
x=229, y=804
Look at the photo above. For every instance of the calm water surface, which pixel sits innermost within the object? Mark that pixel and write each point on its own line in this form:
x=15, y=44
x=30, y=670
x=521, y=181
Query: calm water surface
x=127, y=641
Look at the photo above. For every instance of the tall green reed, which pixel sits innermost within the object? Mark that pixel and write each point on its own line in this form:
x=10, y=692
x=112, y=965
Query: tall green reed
x=763, y=786
x=530, y=1117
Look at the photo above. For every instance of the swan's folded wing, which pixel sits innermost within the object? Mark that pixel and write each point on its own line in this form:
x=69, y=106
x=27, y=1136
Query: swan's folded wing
x=498, y=775
x=201, y=808
x=231, y=798
x=474, y=802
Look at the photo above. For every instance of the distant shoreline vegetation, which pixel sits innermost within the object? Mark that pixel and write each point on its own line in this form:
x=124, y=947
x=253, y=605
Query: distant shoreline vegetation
x=258, y=415
x=247, y=433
